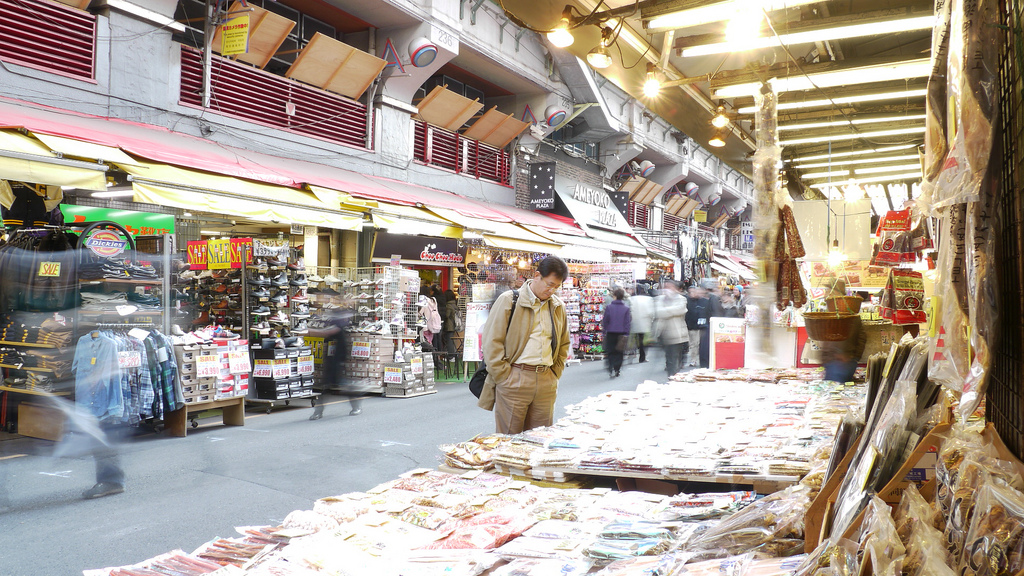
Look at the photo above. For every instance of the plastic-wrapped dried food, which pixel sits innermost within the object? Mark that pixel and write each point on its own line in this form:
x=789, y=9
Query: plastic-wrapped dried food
x=664, y=565
x=309, y=520
x=638, y=530
x=924, y=544
x=779, y=515
x=543, y=567
x=602, y=549
x=906, y=302
x=345, y=508
x=839, y=552
x=794, y=245
x=913, y=511
x=425, y=517
x=894, y=243
x=879, y=539
x=975, y=472
x=995, y=542
x=935, y=137
x=949, y=347
x=562, y=529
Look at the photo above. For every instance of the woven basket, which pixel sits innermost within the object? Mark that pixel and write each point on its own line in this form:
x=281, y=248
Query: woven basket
x=829, y=326
x=844, y=304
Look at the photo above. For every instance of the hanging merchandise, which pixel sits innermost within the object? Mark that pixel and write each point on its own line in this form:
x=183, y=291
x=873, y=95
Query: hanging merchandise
x=894, y=246
x=40, y=270
x=903, y=302
x=972, y=85
x=983, y=293
x=789, y=286
x=935, y=137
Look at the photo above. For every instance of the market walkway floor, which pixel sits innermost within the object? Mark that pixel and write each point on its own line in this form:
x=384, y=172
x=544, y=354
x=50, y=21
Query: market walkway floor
x=185, y=491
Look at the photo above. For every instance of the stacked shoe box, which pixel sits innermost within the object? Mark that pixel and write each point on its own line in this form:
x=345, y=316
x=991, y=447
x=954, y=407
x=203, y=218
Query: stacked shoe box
x=282, y=373
x=429, y=383
x=368, y=356
x=235, y=368
x=412, y=373
x=198, y=383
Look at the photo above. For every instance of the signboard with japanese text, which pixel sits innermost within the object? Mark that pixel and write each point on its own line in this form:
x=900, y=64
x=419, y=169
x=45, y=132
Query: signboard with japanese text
x=235, y=35
x=136, y=223
x=728, y=343
x=476, y=317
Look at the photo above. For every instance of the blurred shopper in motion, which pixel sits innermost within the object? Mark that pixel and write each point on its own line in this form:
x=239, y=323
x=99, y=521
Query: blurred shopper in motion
x=450, y=321
x=98, y=400
x=697, y=323
x=616, y=327
x=338, y=347
x=642, y=308
x=841, y=357
x=671, y=309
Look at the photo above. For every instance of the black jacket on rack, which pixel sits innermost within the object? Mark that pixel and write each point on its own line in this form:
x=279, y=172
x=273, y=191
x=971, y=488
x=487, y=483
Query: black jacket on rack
x=39, y=271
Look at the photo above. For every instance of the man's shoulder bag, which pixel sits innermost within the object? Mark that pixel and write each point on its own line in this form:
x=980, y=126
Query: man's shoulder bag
x=476, y=383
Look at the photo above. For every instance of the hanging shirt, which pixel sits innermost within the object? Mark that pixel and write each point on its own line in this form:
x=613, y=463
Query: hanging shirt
x=97, y=377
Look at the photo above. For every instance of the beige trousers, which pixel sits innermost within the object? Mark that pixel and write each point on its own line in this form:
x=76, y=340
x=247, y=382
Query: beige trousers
x=526, y=400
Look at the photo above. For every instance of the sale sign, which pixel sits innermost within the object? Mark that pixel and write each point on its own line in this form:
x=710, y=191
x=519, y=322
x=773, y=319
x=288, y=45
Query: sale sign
x=49, y=269
x=236, y=251
x=219, y=254
x=197, y=254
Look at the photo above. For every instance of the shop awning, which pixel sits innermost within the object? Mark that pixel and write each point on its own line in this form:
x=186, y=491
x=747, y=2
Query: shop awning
x=521, y=245
x=25, y=159
x=726, y=265
x=400, y=219
x=190, y=190
x=619, y=242
x=501, y=234
x=583, y=253
x=334, y=198
x=85, y=150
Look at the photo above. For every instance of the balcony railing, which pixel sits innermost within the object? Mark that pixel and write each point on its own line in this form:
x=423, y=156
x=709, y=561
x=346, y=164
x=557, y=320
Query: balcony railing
x=241, y=91
x=438, y=147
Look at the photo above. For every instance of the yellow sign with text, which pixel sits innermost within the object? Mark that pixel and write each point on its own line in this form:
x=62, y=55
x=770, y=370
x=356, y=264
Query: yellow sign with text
x=234, y=36
x=700, y=216
x=219, y=254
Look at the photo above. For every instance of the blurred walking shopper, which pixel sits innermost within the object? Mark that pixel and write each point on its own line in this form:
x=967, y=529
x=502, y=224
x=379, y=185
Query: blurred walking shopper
x=525, y=345
x=697, y=318
x=336, y=338
x=449, y=322
x=642, y=307
x=670, y=309
x=616, y=327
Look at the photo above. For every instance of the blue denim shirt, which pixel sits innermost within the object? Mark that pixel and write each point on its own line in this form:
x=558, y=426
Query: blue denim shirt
x=98, y=376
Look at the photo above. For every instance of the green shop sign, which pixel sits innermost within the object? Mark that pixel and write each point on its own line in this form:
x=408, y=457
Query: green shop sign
x=138, y=223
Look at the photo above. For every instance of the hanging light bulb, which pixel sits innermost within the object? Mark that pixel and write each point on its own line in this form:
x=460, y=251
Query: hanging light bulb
x=560, y=37
x=718, y=140
x=835, y=255
x=599, y=57
x=652, y=86
x=720, y=120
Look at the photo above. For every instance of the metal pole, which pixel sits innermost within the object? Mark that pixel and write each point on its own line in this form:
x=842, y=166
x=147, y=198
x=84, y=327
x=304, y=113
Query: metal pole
x=208, y=30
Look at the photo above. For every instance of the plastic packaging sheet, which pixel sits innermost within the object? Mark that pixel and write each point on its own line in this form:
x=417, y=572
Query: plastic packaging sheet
x=974, y=473
x=983, y=293
x=912, y=512
x=880, y=541
x=972, y=87
x=935, y=137
x=995, y=541
x=948, y=344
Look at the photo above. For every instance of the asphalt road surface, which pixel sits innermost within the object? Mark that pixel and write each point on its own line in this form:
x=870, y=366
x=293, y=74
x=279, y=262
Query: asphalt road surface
x=182, y=492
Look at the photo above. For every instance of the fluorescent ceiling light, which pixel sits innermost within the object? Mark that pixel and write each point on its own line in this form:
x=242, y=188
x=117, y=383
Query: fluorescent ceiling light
x=113, y=194
x=817, y=175
x=717, y=12
x=917, y=68
x=880, y=169
x=855, y=121
x=890, y=178
x=899, y=95
x=854, y=136
x=211, y=232
x=854, y=153
x=819, y=35
x=861, y=161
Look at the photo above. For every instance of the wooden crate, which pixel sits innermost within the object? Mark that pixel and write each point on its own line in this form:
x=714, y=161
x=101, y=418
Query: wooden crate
x=38, y=421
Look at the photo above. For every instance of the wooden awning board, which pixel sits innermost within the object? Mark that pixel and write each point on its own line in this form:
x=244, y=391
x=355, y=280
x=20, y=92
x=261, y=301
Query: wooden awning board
x=333, y=65
x=446, y=109
x=642, y=190
x=80, y=4
x=496, y=129
x=682, y=206
x=267, y=31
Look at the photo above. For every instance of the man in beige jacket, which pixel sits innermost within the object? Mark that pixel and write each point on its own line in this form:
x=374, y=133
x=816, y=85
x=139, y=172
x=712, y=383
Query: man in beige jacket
x=525, y=363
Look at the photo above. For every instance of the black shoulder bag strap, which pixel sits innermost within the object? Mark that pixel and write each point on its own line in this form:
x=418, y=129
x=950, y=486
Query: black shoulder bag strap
x=554, y=349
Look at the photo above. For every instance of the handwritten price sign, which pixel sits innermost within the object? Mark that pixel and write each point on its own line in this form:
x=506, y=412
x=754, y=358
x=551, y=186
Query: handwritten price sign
x=392, y=375
x=263, y=369
x=207, y=366
x=305, y=365
x=129, y=359
x=239, y=362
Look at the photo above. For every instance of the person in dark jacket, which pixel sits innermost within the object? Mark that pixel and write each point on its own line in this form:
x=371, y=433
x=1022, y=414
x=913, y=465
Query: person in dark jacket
x=698, y=322
x=336, y=338
x=841, y=357
x=451, y=311
x=616, y=325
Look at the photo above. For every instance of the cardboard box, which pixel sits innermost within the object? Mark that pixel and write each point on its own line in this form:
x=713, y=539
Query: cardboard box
x=187, y=368
x=186, y=353
x=38, y=421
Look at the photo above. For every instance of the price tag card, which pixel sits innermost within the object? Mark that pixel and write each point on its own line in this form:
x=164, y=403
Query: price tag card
x=417, y=365
x=129, y=359
x=263, y=369
x=282, y=368
x=49, y=269
x=238, y=360
x=207, y=366
x=138, y=333
x=306, y=364
x=392, y=375
x=360, y=348
x=125, y=310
